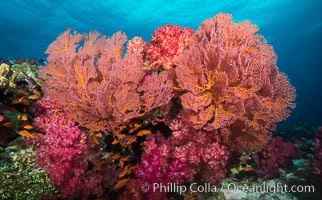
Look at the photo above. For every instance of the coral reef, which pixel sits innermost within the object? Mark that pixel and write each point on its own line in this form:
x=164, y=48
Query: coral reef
x=182, y=107
x=232, y=84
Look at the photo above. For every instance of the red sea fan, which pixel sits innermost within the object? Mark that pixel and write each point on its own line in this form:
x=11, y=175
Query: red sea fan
x=96, y=85
x=232, y=84
x=151, y=84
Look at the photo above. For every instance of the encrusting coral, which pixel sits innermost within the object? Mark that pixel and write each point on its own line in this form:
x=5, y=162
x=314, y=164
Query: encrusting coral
x=19, y=178
x=232, y=84
x=28, y=69
x=7, y=77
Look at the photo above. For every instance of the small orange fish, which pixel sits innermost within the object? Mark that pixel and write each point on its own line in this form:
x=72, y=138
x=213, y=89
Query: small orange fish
x=22, y=117
x=113, y=157
x=34, y=97
x=94, y=141
x=127, y=170
x=28, y=126
x=121, y=183
x=122, y=160
x=25, y=133
x=39, y=83
x=21, y=99
x=7, y=124
x=177, y=89
x=121, y=128
x=137, y=125
x=36, y=92
x=99, y=135
x=36, y=134
x=98, y=165
x=189, y=197
x=143, y=132
x=129, y=140
x=132, y=130
x=123, y=173
x=119, y=136
x=127, y=166
x=23, y=92
x=115, y=142
x=248, y=169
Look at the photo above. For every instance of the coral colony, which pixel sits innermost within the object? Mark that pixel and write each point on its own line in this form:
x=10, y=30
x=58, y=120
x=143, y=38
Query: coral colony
x=163, y=114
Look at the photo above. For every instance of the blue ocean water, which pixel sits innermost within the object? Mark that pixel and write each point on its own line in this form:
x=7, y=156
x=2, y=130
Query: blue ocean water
x=292, y=27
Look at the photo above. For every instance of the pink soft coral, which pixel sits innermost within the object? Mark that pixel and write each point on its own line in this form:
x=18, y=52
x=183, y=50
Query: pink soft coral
x=62, y=152
x=151, y=171
x=185, y=156
x=232, y=84
x=199, y=150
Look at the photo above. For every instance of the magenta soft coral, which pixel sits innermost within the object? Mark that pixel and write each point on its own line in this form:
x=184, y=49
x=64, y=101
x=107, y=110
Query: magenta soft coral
x=316, y=164
x=199, y=150
x=151, y=171
x=183, y=157
x=277, y=154
x=62, y=152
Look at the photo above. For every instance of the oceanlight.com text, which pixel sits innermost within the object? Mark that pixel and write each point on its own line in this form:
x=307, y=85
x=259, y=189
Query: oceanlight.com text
x=210, y=188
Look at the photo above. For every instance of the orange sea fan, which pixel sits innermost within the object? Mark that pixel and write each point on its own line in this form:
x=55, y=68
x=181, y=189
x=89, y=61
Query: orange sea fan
x=96, y=84
x=232, y=84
